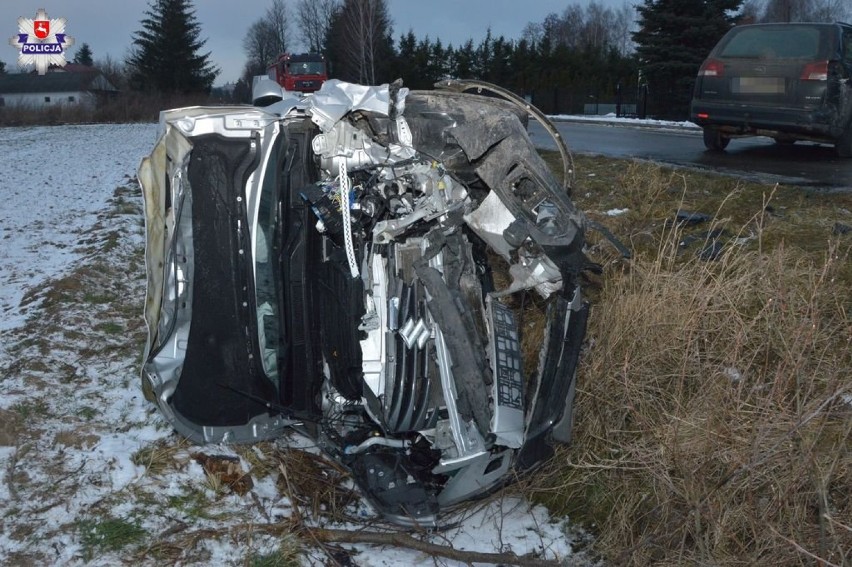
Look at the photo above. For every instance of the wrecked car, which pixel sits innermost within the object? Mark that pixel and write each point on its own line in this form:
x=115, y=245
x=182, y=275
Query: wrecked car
x=328, y=264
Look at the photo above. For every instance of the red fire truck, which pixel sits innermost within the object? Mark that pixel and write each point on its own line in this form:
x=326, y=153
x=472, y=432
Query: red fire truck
x=303, y=73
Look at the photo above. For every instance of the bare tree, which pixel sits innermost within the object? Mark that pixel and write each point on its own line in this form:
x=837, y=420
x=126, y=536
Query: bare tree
x=623, y=24
x=830, y=11
x=266, y=38
x=261, y=46
x=279, y=21
x=114, y=70
x=598, y=23
x=806, y=10
x=314, y=18
x=533, y=32
x=557, y=29
x=591, y=26
x=364, y=27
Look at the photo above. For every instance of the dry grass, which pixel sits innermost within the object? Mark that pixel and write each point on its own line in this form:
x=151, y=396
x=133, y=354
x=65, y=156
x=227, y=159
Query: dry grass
x=314, y=483
x=714, y=405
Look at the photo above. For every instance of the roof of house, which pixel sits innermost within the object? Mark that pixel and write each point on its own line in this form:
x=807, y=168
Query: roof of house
x=20, y=83
x=71, y=68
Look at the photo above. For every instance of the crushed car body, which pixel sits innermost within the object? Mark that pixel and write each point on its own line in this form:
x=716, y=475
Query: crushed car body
x=327, y=264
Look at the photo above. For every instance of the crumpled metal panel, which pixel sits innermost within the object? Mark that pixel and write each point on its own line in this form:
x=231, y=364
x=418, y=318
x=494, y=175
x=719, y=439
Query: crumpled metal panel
x=336, y=99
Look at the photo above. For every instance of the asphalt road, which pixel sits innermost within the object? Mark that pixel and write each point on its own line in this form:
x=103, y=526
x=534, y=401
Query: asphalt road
x=804, y=163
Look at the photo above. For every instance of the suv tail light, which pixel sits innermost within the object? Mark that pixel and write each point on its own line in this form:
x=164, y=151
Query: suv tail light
x=711, y=68
x=816, y=71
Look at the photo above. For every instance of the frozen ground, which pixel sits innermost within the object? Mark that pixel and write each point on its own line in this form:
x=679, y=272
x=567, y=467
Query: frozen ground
x=54, y=182
x=89, y=473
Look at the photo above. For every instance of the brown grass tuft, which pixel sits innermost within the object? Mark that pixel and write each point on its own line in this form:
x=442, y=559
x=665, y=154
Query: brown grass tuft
x=714, y=406
x=314, y=483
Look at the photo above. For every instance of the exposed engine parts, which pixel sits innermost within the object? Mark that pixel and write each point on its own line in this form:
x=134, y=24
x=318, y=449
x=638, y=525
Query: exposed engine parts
x=377, y=218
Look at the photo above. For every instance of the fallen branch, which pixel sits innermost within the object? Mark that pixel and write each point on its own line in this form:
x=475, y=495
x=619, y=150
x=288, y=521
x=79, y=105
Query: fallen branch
x=320, y=536
x=398, y=539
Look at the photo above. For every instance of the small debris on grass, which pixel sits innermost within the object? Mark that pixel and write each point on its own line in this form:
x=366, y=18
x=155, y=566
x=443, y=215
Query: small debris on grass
x=690, y=218
x=227, y=470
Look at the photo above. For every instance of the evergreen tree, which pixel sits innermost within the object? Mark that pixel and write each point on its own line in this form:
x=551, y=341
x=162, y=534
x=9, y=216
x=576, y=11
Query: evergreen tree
x=84, y=56
x=165, y=55
x=438, y=62
x=674, y=37
x=462, y=65
x=2, y=67
x=404, y=60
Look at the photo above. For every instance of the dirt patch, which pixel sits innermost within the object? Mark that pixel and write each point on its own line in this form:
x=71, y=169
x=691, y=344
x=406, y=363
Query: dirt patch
x=10, y=426
x=77, y=438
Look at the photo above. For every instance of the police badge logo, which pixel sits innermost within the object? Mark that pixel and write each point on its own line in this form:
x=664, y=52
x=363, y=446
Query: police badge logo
x=42, y=42
x=42, y=28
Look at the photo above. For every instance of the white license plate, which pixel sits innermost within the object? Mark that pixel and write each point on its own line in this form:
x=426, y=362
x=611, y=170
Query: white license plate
x=758, y=85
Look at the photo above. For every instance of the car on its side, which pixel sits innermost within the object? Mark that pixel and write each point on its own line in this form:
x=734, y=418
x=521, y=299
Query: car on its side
x=329, y=265
x=789, y=82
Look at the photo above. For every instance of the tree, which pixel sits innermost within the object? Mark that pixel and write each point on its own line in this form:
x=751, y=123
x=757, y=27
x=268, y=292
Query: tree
x=279, y=23
x=805, y=11
x=261, y=47
x=265, y=40
x=589, y=27
x=115, y=71
x=314, y=22
x=2, y=67
x=359, y=42
x=84, y=56
x=674, y=38
x=165, y=55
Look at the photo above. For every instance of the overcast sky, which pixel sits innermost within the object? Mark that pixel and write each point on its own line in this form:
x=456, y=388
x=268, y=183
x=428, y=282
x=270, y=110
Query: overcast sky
x=108, y=25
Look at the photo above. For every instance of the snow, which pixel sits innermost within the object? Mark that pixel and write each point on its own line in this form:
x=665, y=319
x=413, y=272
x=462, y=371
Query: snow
x=612, y=119
x=70, y=399
x=54, y=181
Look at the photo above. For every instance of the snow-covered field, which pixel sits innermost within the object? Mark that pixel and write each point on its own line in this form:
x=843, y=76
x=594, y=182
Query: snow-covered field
x=89, y=472
x=54, y=182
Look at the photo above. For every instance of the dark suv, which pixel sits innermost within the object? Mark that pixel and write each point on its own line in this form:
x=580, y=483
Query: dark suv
x=786, y=81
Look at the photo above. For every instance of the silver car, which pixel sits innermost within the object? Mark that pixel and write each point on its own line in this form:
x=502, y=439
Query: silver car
x=326, y=264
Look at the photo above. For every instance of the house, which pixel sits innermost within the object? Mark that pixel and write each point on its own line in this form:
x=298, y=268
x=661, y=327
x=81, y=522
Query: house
x=82, y=86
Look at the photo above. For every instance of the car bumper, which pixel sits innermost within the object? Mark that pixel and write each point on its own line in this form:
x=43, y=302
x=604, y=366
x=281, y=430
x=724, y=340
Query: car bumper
x=740, y=120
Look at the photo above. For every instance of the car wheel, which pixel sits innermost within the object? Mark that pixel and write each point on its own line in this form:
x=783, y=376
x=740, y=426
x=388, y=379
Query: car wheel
x=714, y=140
x=843, y=146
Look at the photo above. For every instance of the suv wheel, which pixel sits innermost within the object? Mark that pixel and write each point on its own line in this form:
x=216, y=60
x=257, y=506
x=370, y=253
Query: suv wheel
x=843, y=145
x=714, y=140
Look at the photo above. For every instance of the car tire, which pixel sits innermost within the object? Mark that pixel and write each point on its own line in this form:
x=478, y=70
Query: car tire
x=714, y=140
x=843, y=145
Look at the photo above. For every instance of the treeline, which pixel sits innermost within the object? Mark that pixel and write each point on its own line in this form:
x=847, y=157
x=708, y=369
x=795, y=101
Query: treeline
x=555, y=76
x=647, y=54
x=581, y=55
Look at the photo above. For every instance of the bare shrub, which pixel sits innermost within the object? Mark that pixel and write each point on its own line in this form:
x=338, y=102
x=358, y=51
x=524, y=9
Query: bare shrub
x=127, y=107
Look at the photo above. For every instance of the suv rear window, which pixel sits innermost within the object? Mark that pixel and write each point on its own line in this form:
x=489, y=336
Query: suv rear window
x=778, y=43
